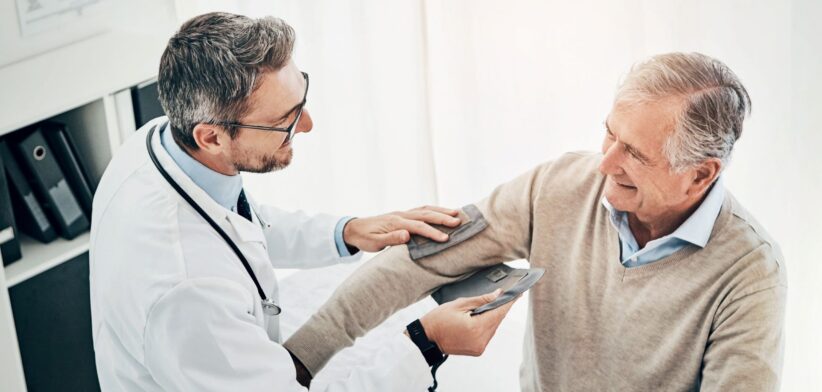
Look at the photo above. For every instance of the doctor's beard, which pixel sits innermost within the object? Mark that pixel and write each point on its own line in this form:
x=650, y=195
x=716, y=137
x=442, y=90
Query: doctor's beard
x=265, y=163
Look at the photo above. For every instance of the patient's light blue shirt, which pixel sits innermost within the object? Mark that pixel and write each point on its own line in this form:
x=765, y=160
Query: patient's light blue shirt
x=695, y=230
x=225, y=190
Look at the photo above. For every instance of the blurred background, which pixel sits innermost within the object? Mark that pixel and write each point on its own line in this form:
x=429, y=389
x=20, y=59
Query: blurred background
x=437, y=102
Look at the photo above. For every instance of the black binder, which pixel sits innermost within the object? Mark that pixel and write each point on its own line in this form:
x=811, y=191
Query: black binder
x=146, y=101
x=11, y=248
x=49, y=183
x=65, y=152
x=28, y=212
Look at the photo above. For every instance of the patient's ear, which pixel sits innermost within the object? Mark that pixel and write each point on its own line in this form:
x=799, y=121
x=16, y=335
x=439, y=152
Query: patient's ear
x=704, y=174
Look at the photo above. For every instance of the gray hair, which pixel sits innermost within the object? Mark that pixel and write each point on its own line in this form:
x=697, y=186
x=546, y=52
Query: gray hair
x=212, y=65
x=715, y=103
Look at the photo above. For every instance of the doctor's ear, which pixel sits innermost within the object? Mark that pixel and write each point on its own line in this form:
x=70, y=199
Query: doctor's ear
x=210, y=138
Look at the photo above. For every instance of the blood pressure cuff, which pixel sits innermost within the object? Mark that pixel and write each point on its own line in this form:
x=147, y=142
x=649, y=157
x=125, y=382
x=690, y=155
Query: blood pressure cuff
x=511, y=281
x=472, y=223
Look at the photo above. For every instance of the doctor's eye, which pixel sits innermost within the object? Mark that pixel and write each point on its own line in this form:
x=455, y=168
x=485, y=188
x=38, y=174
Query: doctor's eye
x=284, y=121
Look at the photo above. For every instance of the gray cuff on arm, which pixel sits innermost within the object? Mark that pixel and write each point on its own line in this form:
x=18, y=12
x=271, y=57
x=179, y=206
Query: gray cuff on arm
x=472, y=223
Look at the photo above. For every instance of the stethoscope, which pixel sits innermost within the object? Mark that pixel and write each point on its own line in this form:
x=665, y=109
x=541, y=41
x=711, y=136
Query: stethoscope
x=269, y=307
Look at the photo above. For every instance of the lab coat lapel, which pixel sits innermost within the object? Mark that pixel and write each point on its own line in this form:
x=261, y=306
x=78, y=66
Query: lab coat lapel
x=258, y=219
x=248, y=235
x=245, y=231
x=212, y=209
x=260, y=223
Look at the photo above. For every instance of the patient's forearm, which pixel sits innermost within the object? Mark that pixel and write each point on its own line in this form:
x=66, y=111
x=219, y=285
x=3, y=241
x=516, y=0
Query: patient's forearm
x=392, y=280
x=384, y=285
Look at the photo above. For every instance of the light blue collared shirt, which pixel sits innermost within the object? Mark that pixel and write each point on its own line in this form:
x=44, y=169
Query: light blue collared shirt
x=695, y=230
x=225, y=190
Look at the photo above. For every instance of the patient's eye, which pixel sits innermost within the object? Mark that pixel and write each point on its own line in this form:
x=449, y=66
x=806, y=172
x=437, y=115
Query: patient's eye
x=636, y=155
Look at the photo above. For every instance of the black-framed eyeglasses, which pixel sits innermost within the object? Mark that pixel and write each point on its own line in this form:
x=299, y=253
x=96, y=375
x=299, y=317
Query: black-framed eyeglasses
x=289, y=129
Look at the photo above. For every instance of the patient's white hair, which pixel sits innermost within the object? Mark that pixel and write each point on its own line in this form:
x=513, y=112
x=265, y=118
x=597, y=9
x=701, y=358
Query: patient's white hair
x=715, y=103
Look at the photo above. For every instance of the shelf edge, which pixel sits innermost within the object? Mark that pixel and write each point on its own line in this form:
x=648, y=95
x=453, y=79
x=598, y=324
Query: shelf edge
x=22, y=270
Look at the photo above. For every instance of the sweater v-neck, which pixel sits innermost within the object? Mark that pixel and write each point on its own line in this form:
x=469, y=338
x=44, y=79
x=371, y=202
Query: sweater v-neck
x=661, y=265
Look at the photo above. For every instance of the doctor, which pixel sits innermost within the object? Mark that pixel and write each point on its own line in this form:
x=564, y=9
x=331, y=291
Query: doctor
x=183, y=289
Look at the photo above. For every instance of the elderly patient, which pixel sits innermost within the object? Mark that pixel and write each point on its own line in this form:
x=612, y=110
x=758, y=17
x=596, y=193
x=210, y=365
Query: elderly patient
x=656, y=278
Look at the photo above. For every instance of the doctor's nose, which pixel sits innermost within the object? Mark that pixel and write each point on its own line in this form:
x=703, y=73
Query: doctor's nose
x=306, y=124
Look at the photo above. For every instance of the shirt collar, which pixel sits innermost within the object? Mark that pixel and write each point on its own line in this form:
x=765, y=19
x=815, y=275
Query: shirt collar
x=697, y=228
x=225, y=190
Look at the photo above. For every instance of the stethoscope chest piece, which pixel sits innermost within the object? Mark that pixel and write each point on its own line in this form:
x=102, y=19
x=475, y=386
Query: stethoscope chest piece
x=270, y=308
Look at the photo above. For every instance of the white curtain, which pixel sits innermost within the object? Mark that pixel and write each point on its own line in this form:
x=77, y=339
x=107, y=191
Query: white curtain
x=517, y=83
x=370, y=150
x=432, y=101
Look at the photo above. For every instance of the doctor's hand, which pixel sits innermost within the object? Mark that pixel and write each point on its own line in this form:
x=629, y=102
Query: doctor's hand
x=455, y=331
x=374, y=233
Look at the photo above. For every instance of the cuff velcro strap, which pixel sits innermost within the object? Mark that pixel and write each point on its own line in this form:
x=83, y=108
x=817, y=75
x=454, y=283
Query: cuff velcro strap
x=472, y=223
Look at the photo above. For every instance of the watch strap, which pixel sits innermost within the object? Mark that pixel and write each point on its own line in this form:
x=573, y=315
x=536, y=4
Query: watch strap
x=429, y=349
x=432, y=354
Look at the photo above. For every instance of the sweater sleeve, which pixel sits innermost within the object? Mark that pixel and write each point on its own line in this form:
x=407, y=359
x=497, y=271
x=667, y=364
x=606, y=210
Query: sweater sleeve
x=746, y=344
x=392, y=280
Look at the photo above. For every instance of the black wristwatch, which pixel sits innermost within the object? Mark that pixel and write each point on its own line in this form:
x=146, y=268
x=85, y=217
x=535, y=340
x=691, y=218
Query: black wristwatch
x=429, y=349
x=432, y=354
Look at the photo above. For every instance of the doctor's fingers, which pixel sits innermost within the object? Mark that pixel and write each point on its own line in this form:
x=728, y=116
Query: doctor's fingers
x=476, y=332
x=443, y=210
x=471, y=303
x=489, y=321
x=496, y=315
x=491, y=317
x=430, y=216
x=419, y=228
x=397, y=237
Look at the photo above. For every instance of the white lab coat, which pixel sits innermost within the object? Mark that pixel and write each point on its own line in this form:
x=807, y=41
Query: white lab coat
x=173, y=309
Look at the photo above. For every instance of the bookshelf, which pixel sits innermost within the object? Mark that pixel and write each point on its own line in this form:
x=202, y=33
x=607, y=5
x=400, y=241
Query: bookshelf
x=91, y=127
x=39, y=257
x=86, y=85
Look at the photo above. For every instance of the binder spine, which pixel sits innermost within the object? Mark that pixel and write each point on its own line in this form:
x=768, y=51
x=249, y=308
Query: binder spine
x=62, y=145
x=27, y=209
x=50, y=184
x=10, y=249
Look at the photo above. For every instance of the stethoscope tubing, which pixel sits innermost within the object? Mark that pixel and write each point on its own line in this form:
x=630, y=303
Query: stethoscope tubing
x=266, y=303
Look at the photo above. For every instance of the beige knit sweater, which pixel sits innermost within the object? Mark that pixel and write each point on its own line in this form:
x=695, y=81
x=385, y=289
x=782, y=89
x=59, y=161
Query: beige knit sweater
x=706, y=319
